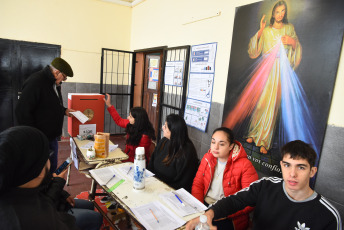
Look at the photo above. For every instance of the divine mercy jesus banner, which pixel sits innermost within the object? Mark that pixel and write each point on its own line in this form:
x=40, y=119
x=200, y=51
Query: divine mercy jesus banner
x=283, y=65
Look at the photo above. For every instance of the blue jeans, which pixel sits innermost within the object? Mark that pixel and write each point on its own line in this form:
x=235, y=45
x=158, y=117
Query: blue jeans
x=53, y=145
x=86, y=217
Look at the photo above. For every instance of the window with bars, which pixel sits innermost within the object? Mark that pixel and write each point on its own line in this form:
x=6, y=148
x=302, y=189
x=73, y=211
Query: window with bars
x=173, y=96
x=117, y=77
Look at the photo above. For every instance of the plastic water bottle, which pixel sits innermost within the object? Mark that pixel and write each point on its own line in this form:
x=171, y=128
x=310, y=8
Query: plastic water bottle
x=139, y=168
x=203, y=223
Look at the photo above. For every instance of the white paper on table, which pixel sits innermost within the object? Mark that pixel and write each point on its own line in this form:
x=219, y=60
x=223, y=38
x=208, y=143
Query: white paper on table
x=112, y=147
x=192, y=205
x=103, y=176
x=155, y=215
x=88, y=145
x=80, y=116
x=128, y=171
x=91, y=144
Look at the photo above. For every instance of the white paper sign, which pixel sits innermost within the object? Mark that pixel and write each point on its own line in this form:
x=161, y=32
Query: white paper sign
x=87, y=129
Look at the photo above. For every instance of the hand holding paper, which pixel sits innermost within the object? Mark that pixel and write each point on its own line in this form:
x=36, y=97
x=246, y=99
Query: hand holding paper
x=80, y=116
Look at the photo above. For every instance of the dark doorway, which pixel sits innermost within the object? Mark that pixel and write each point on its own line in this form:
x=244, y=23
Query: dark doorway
x=18, y=60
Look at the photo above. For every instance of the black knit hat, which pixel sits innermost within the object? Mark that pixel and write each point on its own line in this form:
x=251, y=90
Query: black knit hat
x=24, y=152
x=63, y=66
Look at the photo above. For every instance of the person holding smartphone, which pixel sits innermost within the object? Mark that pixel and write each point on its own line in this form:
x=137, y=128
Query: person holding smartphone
x=82, y=210
x=24, y=165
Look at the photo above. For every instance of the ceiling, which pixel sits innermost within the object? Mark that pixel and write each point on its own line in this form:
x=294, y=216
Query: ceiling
x=130, y=3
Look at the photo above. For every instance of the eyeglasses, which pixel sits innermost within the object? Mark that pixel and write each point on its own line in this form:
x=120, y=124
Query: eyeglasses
x=64, y=75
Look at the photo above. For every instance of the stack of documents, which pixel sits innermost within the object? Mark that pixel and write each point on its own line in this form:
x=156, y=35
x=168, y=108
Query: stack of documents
x=156, y=216
x=128, y=171
x=182, y=202
x=107, y=176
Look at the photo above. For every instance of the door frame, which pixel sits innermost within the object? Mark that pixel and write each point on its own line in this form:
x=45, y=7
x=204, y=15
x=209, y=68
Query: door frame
x=140, y=72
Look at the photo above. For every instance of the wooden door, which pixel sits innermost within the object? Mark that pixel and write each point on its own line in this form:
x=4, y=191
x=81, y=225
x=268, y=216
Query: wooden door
x=151, y=91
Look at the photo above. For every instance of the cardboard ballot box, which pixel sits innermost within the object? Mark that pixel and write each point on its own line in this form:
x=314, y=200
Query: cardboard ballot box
x=92, y=105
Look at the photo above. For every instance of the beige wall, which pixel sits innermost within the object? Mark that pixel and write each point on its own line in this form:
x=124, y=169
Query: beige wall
x=162, y=22
x=81, y=27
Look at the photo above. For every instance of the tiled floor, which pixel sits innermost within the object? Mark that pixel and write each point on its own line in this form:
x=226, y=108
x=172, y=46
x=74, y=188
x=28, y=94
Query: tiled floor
x=79, y=182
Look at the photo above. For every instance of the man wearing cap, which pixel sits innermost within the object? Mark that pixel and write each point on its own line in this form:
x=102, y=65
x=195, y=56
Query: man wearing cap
x=40, y=104
x=24, y=166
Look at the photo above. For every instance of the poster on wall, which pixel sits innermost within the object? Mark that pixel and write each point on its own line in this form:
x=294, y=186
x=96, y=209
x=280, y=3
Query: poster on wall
x=200, y=86
x=174, y=73
x=197, y=113
x=281, y=76
x=153, y=74
x=203, y=58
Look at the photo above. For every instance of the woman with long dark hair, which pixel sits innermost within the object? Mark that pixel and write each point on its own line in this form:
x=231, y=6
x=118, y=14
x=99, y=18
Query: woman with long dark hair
x=139, y=129
x=174, y=160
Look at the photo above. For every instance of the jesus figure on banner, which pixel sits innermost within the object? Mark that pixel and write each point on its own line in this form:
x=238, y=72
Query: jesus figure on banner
x=274, y=88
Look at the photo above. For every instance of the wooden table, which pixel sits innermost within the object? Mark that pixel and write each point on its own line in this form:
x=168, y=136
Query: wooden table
x=83, y=164
x=127, y=197
x=79, y=154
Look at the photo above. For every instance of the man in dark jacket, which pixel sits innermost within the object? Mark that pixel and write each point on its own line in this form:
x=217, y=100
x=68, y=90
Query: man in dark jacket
x=40, y=104
x=24, y=153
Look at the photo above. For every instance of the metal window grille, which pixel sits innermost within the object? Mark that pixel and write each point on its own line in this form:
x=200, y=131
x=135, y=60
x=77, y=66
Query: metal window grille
x=173, y=97
x=117, y=79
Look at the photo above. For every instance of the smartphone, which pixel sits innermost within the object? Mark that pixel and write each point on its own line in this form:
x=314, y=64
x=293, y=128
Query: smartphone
x=64, y=165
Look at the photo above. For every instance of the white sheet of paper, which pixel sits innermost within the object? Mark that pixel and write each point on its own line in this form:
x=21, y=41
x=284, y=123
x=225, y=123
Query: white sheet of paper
x=192, y=205
x=128, y=171
x=112, y=147
x=80, y=116
x=104, y=176
x=155, y=215
x=88, y=145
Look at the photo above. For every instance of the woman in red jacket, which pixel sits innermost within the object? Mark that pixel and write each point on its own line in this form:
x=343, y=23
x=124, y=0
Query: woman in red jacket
x=223, y=171
x=139, y=129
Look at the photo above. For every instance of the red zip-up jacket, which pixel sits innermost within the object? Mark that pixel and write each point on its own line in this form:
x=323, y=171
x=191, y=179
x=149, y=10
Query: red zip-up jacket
x=238, y=174
x=145, y=141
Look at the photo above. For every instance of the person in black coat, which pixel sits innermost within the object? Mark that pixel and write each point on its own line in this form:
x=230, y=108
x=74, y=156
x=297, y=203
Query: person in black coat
x=40, y=104
x=24, y=166
x=174, y=160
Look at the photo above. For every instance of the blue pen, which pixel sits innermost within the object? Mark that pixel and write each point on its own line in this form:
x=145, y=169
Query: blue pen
x=179, y=199
x=110, y=179
x=129, y=170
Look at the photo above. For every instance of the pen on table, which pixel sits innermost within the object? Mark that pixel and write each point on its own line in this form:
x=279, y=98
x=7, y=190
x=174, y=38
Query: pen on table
x=179, y=199
x=129, y=170
x=110, y=179
x=154, y=215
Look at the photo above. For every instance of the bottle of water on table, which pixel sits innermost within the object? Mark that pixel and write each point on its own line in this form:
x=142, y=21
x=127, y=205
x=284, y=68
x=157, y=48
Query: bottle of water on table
x=203, y=225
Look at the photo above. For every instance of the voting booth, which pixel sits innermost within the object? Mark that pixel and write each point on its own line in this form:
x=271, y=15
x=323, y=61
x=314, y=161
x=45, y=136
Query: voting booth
x=92, y=105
